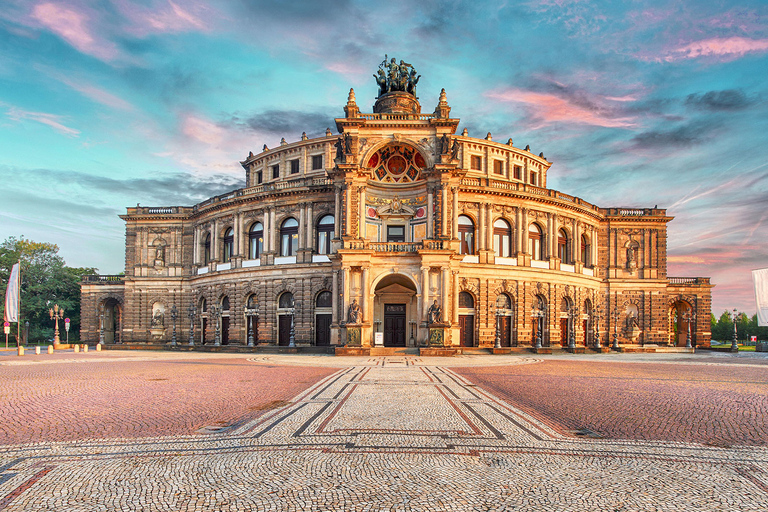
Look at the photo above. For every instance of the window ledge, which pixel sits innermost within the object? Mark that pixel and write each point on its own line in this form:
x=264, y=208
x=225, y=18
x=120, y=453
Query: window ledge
x=505, y=261
x=567, y=268
x=320, y=258
x=223, y=266
x=252, y=263
x=540, y=264
x=588, y=271
x=285, y=260
x=471, y=258
x=202, y=270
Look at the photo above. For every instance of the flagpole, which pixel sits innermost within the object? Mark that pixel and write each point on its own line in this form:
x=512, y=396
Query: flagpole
x=18, y=308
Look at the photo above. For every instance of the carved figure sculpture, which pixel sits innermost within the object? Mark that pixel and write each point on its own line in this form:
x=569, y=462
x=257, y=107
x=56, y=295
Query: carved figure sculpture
x=455, y=150
x=354, y=314
x=392, y=76
x=160, y=255
x=158, y=318
x=339, y=150
x=381, y=80
x=434, y=313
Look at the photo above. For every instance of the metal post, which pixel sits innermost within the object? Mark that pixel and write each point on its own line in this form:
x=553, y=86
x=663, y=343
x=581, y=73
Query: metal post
x=292, y=338
x=573, y=311
x=498, y=329
x=538, y=313
x=216, y=313
x=101, y=324
x=412, y=340
x=734, y=344
x=56, y=314
x=689, y=316
x=616, y=316
x=174, y=315
x=192, y=312
x=597, y=313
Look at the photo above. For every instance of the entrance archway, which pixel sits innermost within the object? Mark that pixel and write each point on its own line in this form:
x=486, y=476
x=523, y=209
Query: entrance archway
x=111, y=326
x=678, y=325
x=395, y=310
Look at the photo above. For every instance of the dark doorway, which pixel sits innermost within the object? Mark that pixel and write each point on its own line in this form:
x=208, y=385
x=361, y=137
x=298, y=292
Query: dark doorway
x=563, y=331
x=505, y=331
x=586, y=332
x=394, y=325
x=225, y=330
x=284, y=328
x=467, y=330
x=203, y=328
x=323, y=330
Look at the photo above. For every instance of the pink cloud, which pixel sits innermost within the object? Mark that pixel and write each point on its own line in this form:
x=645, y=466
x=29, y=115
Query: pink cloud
x=98, y=95
x=722, y=48
x=165, y=17
x=73, y=26
x=549, y=108
x=52, y=120
x=201, y=129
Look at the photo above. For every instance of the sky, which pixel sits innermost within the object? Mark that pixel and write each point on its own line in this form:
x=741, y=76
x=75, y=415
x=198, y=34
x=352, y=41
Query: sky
x=107, y=104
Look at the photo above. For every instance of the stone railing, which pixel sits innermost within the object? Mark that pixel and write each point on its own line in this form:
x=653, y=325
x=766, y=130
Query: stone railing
x=268, y=187
x=634, y=212
x=395, y=246
x=102, y=279
x=397, y=117
x=688, y=280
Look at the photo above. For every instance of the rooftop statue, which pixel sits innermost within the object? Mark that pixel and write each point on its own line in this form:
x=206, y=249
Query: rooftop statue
x=392, y=77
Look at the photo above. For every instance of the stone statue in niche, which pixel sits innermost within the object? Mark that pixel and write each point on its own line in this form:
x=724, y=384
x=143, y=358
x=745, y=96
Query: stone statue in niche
x=354, y=314
x=159, y=255
x=158, y=318
x=434, y=313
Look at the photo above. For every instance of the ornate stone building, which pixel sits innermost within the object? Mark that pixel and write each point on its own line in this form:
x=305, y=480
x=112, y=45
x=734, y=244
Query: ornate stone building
x=395, y=219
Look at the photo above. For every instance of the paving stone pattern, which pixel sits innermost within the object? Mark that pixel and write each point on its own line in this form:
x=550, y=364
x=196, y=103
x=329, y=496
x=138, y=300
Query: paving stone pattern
x=452, y=446
x=715, y=404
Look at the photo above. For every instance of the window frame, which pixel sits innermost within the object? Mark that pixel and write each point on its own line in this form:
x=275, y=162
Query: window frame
x=498, y=167
x=466, y=235
x=317, y=162
x=502, y=248
x=289, y=238
x=275, y=171
x=228, y=245
x=476, y=163
x=294, y=166
x=535, y=239
x=325, y=233
x=255, y=235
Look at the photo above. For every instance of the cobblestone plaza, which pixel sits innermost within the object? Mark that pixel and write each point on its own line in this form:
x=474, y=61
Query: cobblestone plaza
x=121, y=430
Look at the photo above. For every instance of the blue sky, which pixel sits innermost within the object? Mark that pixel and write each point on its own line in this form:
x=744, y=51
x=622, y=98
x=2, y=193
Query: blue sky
x=105, y=104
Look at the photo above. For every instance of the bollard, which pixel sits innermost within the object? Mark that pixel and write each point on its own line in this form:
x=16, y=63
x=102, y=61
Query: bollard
x=20, y=351
x=98, y=347
x=85, y=347
x=50, y=349
x=37, y=350
x=77, y=349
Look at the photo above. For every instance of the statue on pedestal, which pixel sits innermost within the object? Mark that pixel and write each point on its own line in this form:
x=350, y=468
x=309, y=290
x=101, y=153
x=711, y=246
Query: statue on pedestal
x=354, y=314
x=434, y=314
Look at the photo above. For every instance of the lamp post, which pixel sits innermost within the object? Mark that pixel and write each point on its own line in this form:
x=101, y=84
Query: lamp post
x=191, y=312
x=412, y=340
x=538, y=313
x=497, y=344
x=597, y=313
x=216, y=314
x=101, y=324
x=734, y=343
x=56, y=313
x=250, y=313
x=174, y=316
x=688, y=316
x=573, y=313
x=616, y=315
x=292, y=337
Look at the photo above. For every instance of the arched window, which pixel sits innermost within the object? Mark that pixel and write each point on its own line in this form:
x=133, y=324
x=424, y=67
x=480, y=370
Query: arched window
x=289, y=237
x=203, y=305
x=563, y=247
x=285, y=301
x=534, y=242
x=586, y=251
x=207, y=249
x=252, y=302
x=503, y=301
x=225, y=303
x=229, y=243
x=466, y=235
x=324, y=300
x=502, y=239
x=325, y=234
x=255, y=241
x=466, y=300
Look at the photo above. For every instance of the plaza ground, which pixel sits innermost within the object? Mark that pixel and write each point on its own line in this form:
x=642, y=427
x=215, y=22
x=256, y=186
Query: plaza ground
x=194, y=431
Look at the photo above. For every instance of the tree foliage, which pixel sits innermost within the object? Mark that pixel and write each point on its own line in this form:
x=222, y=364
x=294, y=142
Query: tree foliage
x=722, y=328
x=45, y=281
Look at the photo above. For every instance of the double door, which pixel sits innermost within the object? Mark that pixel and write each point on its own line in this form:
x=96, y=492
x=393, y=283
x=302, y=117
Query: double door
x=394, y=325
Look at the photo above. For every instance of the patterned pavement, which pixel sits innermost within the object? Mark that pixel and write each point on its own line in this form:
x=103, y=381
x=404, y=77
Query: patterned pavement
x=388, y=433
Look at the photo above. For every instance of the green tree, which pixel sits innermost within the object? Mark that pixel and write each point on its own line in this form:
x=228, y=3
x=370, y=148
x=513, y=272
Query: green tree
x=723, y=329
x=45, y=281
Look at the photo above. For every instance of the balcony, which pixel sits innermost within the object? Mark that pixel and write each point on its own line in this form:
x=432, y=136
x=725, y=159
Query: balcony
x=106, y=279
x=394, y=247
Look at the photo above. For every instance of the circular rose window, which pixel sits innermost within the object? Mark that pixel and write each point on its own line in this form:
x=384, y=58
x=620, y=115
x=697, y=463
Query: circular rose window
x=396, y=163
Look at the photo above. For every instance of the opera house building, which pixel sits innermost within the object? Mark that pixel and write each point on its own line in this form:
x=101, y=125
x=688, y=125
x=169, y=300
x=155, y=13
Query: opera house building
x=397, y=230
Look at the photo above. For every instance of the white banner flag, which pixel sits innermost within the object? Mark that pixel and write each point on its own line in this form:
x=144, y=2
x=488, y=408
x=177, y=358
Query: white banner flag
x=760, y=278
x=12, y=296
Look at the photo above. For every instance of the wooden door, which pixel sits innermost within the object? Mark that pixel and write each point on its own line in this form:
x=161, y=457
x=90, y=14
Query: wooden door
x=225, y=330
x=323, y=330
x=505, y=331
x=284, y=330
x=394, y=325
x=564, y=331
x=467, y=330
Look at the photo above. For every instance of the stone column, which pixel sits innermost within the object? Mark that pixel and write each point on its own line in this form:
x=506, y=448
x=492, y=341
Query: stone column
x=337, y=213
x=361, y=212
x=273, y=235
x=267, y=231
x=196, y=245
x=489, y=228
x=424, y=291
x=576, y=245
x=348, y=209
x=345, y=294
x=238, y=236
x=455, y=212
x=215, y=241
x=364, y=294
x=445, y=283
x=455, y=296
x=444, y=220
x=302, y=226
x=481, y=226
x=335, y=298
x=310, y=228
x=430, y=213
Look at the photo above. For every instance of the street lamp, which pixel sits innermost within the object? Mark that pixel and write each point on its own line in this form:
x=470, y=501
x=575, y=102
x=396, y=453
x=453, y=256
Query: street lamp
x=292, y=338
x=174, y=315
x=688, y=316
x=412, y=341
x=498, y=330
x=597, y=312
x=101, y=324
x=616, y=316
x=734, y=344
x=573, y=313
x=216, y=314
x=192, y=312
x=56, y=313
x=250, y=313
x=538, y=313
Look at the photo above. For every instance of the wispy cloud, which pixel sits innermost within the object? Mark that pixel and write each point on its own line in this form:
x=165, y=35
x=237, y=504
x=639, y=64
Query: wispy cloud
x=719, y=48
x=547, y=108
x=166, y=17
x=75, y=27
x=52, y=120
